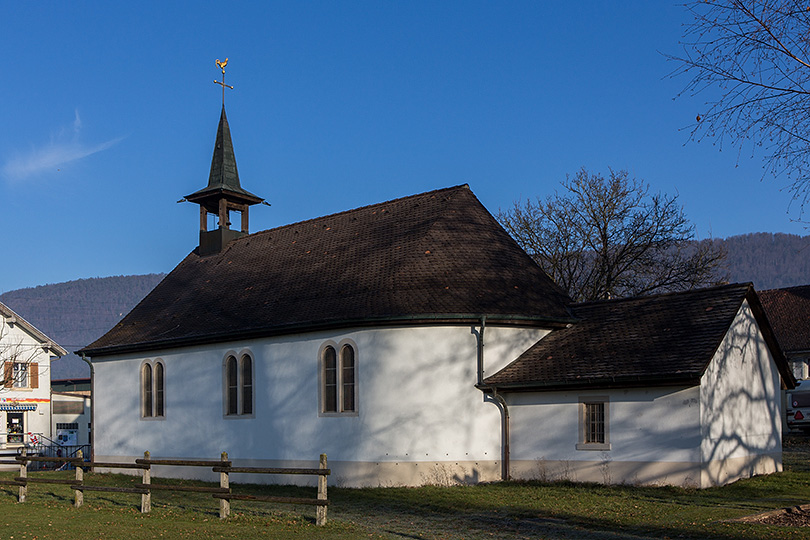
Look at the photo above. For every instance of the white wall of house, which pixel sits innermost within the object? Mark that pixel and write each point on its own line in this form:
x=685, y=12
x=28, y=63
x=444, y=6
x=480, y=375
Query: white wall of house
x=740, y=401
x=419, y=419
x=18, y=346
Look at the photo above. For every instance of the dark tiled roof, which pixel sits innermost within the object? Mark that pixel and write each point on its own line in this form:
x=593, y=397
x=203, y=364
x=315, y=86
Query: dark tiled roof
x=434, y=255
x=788, y=311
x=660, y=339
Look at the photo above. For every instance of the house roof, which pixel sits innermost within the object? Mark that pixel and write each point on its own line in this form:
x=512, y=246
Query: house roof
x=13, y=318
x=788, y=311
x=436, y=256
x=649, y=340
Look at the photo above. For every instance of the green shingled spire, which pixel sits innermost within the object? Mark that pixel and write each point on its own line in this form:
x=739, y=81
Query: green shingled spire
x=224, y=177
x=223, y=195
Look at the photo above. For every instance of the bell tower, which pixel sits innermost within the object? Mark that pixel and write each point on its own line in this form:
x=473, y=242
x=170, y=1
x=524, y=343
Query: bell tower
x=224, y=194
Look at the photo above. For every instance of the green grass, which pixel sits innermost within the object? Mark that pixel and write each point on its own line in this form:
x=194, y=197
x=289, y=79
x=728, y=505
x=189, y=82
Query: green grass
x=501, y=510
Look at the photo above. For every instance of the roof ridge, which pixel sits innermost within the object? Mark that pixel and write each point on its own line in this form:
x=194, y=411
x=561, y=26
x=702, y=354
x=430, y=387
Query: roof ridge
x=786, y=289
x=343, y=212
x=745, y=284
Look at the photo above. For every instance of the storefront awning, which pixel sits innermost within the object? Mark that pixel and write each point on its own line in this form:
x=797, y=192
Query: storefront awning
x=20, y=407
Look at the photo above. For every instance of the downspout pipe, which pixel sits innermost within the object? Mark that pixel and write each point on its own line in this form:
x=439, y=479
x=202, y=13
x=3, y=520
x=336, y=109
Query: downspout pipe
x=92, y=409
x=505, y=417
x=498, y=398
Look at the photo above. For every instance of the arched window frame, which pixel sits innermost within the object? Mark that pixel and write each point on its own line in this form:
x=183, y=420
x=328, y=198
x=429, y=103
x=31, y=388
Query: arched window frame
x=238, y=381
x=338, y=384
x=153, y=390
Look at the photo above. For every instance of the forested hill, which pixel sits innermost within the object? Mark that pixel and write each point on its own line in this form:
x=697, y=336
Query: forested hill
x=771, y=261
x=76, y=313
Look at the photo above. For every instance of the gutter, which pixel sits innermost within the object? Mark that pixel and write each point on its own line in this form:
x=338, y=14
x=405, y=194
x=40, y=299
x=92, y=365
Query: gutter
x=300, y=328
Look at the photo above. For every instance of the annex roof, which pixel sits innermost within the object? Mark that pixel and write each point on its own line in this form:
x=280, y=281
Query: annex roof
x=435, y=256
x=788, y=311
x=13, y=318
x=648, y=340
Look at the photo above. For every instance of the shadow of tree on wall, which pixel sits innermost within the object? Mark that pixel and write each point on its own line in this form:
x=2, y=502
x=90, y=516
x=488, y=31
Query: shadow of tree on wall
x=740, y=395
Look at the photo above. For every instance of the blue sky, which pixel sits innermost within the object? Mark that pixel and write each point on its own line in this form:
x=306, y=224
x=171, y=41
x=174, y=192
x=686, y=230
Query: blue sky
x=110, y=112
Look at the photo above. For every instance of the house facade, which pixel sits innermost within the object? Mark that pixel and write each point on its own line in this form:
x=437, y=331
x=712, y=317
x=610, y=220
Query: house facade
x=406, y=341
x=25, y=396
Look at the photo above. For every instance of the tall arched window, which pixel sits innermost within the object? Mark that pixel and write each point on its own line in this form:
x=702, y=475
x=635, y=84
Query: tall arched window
x=146, y=385
x=338, y=380
x=238, y=385
x=153, y=401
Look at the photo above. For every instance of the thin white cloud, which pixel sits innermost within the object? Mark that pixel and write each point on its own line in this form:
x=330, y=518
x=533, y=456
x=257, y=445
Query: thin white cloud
x=61, y=150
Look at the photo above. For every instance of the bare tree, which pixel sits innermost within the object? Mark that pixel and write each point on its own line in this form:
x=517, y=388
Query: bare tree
x=609, y=237
x=756, y=54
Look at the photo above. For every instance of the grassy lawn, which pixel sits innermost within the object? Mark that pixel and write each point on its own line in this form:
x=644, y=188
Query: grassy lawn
x=503, y=510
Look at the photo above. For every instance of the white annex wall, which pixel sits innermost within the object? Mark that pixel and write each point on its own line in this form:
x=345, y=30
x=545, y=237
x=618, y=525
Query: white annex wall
x=654, y=436
x=740, y=405
x=417, y=403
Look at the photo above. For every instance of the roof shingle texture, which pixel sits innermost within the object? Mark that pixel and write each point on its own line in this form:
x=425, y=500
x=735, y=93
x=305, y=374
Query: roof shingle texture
x=652, y=338
x=788, y=311
x=433, y=254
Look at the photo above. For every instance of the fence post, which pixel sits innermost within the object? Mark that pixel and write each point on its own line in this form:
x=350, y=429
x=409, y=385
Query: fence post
x=23, y=474
x=146, y=498
x=78, y=495
x=224, y=482
x=320, y=516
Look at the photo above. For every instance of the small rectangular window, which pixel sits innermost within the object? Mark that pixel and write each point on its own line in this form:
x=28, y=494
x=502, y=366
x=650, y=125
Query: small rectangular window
x=593, y=424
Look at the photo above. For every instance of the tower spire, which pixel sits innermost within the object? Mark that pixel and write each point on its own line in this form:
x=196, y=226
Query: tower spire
x=224, y=194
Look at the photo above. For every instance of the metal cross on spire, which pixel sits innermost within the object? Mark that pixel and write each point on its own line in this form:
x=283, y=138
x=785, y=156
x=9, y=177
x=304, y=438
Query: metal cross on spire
x=221, y=65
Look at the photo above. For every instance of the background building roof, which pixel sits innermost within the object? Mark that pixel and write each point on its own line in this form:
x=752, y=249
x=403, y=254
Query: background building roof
x=788, y=311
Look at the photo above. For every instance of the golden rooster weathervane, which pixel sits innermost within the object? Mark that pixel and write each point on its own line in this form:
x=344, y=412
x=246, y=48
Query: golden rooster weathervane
x=221, y=65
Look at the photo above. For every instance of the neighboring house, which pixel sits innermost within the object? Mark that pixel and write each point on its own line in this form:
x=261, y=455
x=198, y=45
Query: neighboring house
x=402, y=339
x=25, y=393
x=788, y=311
x=71, y=404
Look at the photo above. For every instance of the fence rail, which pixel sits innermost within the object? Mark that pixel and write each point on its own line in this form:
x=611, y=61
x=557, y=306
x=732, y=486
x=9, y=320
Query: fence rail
x=145, y=488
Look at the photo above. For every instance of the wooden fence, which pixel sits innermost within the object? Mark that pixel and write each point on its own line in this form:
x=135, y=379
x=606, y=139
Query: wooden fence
x=223, y=466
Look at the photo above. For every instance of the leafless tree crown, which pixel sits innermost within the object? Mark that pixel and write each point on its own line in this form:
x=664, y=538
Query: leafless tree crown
x=752, y=57
x=609, y=237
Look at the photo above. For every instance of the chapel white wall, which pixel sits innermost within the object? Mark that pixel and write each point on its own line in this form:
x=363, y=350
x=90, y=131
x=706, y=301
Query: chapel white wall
x=417, y=403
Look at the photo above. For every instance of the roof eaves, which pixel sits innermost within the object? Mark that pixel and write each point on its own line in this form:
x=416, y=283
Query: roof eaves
x=447, y=318
x=46, y=342
x=630, y=381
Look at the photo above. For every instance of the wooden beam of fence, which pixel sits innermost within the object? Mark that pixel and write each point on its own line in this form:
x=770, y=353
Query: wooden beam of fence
x=198, y=489
x=110, y=489
x=29, y=480
x=272, y=498
x=182, y=462
x=257, y=470
x=48, y=459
